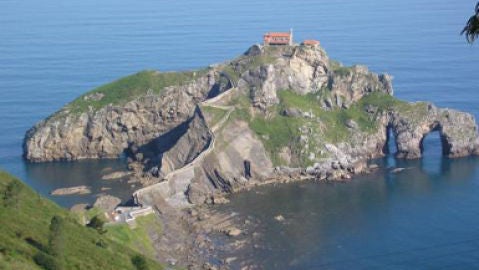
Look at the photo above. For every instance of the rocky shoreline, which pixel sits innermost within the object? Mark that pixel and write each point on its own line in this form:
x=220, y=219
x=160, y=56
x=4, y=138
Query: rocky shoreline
x=209, y=233
x=200, y=236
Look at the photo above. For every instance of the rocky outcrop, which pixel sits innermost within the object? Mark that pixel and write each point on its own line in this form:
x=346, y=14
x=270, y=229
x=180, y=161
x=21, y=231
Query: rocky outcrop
x=409, y=125
x=234, y=157
x=348, y=85
x=458, y=131
x=109, y=131
x=188, y=147
x=304, y=70
x=106, y=203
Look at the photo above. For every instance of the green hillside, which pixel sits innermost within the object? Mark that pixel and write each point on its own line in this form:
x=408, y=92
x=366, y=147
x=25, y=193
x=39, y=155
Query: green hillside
x=38, y=234
x=133, y=86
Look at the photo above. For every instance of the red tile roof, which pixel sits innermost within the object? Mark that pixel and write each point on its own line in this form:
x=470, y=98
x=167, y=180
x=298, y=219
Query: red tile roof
x=310, y=42
x=278, y=34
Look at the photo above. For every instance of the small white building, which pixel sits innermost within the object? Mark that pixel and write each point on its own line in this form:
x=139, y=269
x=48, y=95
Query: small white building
x=129, y=214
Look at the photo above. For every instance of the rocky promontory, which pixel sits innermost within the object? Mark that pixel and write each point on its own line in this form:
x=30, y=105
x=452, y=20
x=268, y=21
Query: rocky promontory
x=274, y=112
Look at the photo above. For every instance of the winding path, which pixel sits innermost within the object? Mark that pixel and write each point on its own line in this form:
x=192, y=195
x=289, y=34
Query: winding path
x=171, y=175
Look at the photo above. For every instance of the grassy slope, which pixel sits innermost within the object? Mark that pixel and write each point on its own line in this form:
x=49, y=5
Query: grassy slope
x=30, y=219
x=213, y=114
x=130, y=87
x=137, y=238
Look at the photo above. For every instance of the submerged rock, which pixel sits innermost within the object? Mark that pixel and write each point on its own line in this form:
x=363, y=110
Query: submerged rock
x=220, y=200
x=77, y=190
x=233, y=232
x=397, y=170
x=373, y=166
x=115, y=175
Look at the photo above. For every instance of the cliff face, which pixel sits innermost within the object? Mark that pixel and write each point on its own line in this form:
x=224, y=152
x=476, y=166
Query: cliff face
x=304, y=70
x=274, y=112
x=111, y=130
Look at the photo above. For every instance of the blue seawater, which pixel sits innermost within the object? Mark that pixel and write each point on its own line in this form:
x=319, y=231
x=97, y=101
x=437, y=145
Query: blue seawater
x=424, y=218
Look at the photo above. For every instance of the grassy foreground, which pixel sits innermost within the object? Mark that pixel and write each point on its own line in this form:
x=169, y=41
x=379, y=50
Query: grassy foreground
x=26, y=240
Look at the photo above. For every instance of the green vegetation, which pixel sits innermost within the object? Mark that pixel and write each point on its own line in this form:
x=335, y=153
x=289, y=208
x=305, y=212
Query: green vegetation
x=47, y=261
x=90, y=213
x=140, y=262
x=339, y=69
x=383, y=102
x=343, y=71
x=136, y=238
x=52, y=257
x=277, y=130
x=471, y=30
x=259, y=60
x=38, y=234
x=276, y=133
x=231, y=74
x=130, y=87
x=97, y=223
x=213, y=114
x=244, y=63
x=11, y=194
x=334, y=120
x=56, y=238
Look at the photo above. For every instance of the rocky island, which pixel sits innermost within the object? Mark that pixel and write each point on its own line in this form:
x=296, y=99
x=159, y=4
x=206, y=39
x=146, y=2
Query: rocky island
x=275, y=113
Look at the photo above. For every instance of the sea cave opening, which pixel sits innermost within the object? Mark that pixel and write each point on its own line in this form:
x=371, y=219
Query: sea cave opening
x=432, y=152
x=432, y=145
x=390, y=148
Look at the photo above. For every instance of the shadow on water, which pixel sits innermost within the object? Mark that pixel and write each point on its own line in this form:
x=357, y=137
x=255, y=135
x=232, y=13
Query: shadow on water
x=379, y=220
x=53, y=175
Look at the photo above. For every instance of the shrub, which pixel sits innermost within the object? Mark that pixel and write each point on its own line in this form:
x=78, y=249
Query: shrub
x=10, y=195
x=46, y=261
x=97, y=224
x=56, y=238
x=139, y=262
x=101, y=243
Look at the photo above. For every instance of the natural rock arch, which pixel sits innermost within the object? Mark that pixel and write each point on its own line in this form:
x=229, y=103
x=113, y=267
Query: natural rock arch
x=458, y=131
x=435, y=134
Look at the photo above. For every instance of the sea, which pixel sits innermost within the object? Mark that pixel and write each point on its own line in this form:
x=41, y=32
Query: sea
x=425, y=217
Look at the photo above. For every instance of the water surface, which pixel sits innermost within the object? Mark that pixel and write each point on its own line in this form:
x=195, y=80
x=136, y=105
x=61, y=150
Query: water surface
x=421, y=218
x=425, y=217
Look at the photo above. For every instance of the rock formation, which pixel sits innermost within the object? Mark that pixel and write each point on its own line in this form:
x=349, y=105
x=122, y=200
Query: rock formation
x=458, y=131
x=272, y=113
x=107, y=203
x=111, y=130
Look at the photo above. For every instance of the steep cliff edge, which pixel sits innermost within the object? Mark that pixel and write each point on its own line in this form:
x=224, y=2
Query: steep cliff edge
x=273, y=112
x=121, y=116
